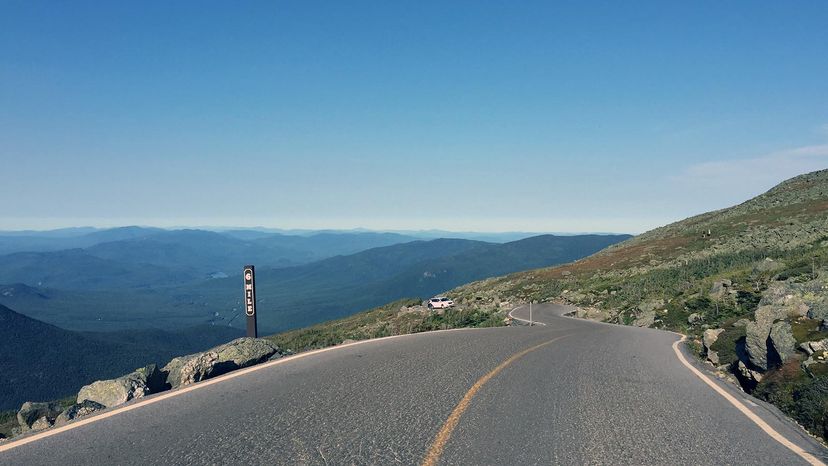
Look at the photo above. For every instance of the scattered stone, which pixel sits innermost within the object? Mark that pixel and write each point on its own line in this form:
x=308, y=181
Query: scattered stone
x=741, y=323
x=347, y=341
x=242, y=352
x=811, y=347
x=694, y=318
x=84, y=408
x=32, y=413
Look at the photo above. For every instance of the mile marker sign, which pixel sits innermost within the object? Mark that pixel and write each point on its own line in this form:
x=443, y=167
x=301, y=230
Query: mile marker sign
x=250, y=300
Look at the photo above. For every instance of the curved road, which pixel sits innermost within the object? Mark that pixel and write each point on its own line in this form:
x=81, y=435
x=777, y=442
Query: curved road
x=569, y=392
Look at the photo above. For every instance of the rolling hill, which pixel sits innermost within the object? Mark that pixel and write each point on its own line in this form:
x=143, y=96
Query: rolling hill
x=291, y=297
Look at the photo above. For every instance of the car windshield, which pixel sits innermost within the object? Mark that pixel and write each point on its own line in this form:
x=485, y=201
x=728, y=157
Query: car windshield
x=444, y=299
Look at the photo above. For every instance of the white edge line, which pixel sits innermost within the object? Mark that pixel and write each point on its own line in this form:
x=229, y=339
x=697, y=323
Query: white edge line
x=811, y=459
x=206, y=383
x=523, y=320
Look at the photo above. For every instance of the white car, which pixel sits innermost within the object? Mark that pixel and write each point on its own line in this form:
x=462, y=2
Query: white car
x=440, y=302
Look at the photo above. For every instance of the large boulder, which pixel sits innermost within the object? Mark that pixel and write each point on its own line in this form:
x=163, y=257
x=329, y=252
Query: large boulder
x=114, y=392
x=242, y=352
x=758, y=331
x=84, y=408
x=37, y=416
x=783, y=341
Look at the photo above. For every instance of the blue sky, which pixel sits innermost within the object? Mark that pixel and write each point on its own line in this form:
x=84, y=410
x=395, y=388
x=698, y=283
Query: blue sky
x=488, y=116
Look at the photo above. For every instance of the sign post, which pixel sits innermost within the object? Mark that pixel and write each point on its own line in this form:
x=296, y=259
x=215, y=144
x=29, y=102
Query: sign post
x=250, y=300
x=530, y=314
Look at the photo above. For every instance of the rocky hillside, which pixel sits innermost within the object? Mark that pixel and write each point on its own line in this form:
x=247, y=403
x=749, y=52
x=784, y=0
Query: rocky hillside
x=749, y=283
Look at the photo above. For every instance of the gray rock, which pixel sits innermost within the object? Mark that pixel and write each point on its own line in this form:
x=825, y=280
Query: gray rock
x=741, y=323
x=694, y=318
x=720, y=289
x=769, y=265
x=651, y=305
x=713, y=357
x=114, y=392
x=645, y=319
x=32, y=412
x=757, y=333
x=811, y=347
x=154, y=378
x=783, y=341
x=238, y=353
x=42, y=423
x=75, y=411
x=748, y=373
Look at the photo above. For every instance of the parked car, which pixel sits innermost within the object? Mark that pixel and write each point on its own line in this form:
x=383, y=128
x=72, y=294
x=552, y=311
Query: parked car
x=440, y=302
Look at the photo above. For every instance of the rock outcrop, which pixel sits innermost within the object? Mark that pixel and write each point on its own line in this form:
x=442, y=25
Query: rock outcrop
x=238, y=353
x=118, y=391
x=37, y=416
x=85, y=408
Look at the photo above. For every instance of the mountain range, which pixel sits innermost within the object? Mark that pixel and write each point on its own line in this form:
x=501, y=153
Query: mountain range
x=190, y=277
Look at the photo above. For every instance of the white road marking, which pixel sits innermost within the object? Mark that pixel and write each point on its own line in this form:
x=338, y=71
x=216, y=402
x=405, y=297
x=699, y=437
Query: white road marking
x=811, y=459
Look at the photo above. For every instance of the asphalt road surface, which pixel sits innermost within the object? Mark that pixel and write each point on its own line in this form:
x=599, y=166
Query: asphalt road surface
x=569, y=392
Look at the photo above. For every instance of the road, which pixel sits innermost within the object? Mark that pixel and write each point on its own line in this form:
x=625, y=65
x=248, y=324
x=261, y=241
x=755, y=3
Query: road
x=569, y=392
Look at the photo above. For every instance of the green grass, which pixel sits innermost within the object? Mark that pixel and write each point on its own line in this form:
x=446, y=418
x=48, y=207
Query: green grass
x=381, y=322
x=807, y=330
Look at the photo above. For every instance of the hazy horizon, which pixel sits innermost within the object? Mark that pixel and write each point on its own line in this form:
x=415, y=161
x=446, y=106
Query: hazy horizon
x=535, y=116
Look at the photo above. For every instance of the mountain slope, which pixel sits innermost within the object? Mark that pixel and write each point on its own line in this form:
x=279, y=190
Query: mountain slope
x=44, y=362
x=749, y=284
x=339, y=286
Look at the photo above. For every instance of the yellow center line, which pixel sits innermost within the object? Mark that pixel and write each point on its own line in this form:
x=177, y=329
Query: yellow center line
x=442, y=437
